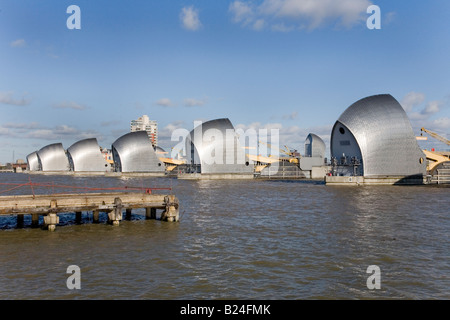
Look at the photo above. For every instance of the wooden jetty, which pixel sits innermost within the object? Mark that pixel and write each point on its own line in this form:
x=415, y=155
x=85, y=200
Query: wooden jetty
x=114, y=203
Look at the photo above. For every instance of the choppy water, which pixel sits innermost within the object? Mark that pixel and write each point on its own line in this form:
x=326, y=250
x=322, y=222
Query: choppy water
x=239, y=240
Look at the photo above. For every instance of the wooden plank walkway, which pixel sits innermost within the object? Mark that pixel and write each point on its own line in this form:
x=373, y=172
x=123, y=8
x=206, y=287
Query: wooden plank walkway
x=111, y=202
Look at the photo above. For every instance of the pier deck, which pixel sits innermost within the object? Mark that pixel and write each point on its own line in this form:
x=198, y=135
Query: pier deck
x=111, y=202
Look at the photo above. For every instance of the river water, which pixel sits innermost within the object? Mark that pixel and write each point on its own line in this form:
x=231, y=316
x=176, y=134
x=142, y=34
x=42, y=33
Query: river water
x=279, y=240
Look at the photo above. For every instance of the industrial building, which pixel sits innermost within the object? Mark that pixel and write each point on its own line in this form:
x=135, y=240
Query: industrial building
x=213, y=148
x=373, y=140
x=133, y=152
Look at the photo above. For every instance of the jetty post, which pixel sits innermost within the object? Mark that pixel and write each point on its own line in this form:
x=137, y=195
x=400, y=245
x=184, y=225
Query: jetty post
x=171, y=210
x=115, y=216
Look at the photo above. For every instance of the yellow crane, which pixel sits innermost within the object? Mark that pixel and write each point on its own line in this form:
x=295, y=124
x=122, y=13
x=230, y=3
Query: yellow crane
x=436, y=136
x=435, y=158
x=264, y=161
x=285, y=151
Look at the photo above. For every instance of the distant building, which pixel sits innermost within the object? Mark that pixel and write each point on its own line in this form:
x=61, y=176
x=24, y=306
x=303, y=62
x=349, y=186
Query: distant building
x=145, y=124
x=107, y=155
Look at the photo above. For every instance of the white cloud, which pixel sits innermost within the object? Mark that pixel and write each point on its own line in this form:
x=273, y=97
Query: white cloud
x=5, y=131
x=389, y=18
x=165, y=102
x=309, y=14
x=190, y=102
x=241, y=11
x=69, y=105
x=426, y=115
x=7, y=98
x=190, y=19
x=165, y=134
x=411, y=100
x=19, y=43
x=63, y=133
x=291, y=116
x=109, y=123
x=441, y=123
x=34, y=130
x=259, y=24
x=282, y=27
x=432, y=107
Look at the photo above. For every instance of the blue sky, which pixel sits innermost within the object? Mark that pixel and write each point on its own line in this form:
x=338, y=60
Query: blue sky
x=294, y=65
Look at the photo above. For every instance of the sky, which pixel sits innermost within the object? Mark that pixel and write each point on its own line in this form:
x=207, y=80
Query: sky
x=291, y=65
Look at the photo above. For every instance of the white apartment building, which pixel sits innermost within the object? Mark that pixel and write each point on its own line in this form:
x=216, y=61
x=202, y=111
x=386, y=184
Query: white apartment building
x=145, y=124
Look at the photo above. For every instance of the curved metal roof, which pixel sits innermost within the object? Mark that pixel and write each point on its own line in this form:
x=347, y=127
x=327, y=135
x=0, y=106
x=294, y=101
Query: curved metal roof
x=215, y=146
x=133, y=152
x=314, y=146
x=85, y=155
x=33, y=162
x=53, y=158
x=384, y=135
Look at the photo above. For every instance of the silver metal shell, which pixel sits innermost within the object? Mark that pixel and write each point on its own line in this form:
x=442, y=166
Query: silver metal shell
x=133, y=152
x=314, y=146
x=214, y=145
x=53, y=158
x=85, y=155
x=33, y=162
x=377, y=130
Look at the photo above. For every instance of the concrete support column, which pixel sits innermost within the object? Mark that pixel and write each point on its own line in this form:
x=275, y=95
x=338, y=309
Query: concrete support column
x=150, y=213
x=50, y=221
x=115, y=216
x=35, y=220
x=78, y=217
x=128, y=214
x=20, y=220
x=95, y=216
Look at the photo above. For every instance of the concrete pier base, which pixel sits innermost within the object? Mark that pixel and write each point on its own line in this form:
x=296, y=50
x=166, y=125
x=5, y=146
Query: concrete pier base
x=150, y=213
x=35, y=220
x=95, y=216
x=78, y=217
x=20, y=219
x=128, y=214
x=171, y=212
x=115, y=216
x=50, y=221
